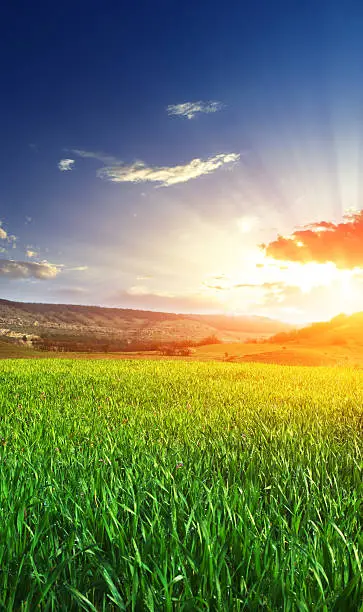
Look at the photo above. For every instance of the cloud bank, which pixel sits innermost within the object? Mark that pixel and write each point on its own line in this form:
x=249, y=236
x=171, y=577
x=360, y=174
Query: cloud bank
x=25, y=269
x=190, y=109
x=338, y=243
x=139, y=172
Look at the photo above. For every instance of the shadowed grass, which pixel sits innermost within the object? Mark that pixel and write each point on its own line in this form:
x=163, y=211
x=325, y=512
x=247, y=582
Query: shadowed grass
x=172, y=486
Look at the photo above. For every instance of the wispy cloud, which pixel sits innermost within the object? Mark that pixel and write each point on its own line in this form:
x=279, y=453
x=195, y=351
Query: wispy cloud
x=25, y=269
x=66, y=164
x=141, y=290
x=70, y=292
x=139, y=172
x=139, y=297
x=339, y=243
x=270, y=287
x=190, y=109
x=103, y=157
x=3, y=233
x=220, y=282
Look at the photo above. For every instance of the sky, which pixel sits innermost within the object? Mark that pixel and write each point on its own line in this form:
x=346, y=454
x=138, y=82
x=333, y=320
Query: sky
x=183, y=157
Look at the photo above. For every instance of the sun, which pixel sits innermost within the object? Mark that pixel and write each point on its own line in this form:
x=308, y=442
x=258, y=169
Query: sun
x=310, y=275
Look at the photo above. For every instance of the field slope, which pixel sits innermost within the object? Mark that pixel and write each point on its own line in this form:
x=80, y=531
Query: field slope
x=144, y=485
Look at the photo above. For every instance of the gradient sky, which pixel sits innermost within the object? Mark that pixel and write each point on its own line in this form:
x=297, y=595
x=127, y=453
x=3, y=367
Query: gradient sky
x=150, y=149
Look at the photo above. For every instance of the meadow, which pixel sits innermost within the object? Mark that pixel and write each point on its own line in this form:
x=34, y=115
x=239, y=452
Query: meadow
x=167, y=485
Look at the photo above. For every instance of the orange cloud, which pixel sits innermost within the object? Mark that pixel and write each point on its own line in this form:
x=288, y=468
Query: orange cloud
x=338, y=243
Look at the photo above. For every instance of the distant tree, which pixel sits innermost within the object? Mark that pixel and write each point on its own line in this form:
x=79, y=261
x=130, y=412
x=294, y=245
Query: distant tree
x=209, y=340
x=185, y=352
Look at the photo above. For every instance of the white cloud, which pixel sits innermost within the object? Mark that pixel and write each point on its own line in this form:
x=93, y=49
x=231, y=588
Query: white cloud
x=30, y=253
x=5, y=236
x=139, y=172
x=25, y=269
x=66, y=164
x=191, y=109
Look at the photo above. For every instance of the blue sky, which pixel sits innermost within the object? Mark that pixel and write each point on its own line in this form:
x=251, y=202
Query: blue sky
x=148, y=150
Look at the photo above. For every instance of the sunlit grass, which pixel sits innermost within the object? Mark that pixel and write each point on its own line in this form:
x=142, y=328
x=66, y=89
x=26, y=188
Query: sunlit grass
x=136, y=485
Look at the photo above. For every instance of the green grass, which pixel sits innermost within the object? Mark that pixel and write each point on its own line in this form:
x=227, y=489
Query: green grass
x=136, y=485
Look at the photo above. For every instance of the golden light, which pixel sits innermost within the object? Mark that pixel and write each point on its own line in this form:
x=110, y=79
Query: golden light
x=246, y=224
x=307, y=276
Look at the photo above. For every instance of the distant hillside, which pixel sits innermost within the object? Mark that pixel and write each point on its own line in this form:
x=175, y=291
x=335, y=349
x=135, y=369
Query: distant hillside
x=340, y=331
x=126, y=326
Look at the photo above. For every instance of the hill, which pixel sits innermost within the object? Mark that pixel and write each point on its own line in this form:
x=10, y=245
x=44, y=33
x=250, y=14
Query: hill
x=343, y=330
x=119, y=328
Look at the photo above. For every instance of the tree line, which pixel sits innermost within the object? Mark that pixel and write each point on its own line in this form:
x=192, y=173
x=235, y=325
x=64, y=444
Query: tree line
x=100, y=345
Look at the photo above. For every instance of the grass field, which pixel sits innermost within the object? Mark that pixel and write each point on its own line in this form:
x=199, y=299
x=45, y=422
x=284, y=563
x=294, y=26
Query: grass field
x=160, y=485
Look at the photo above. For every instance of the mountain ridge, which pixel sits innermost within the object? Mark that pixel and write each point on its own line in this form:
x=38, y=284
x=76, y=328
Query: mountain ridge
x=40, y=319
